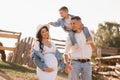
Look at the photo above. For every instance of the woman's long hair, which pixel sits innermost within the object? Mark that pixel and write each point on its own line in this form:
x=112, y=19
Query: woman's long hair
x=39, y=37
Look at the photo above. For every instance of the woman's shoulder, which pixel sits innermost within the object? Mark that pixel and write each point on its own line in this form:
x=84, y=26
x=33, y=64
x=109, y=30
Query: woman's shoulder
x=52, y=42
x=36, y=45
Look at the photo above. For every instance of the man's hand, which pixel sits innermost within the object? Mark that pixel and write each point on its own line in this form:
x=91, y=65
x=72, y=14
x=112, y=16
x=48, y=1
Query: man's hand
x=48, y=69
x=68, y=68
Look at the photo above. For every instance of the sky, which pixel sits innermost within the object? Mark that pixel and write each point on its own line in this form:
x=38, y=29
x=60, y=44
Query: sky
x=25, y=15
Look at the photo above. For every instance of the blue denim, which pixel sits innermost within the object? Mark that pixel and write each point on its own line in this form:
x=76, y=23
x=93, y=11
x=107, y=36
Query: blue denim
x=86, y=32
x=60, y=59
x=84, y=68
x=61, y=21
x=38, y=59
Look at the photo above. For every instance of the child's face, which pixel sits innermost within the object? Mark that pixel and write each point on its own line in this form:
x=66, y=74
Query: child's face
x=63, y=13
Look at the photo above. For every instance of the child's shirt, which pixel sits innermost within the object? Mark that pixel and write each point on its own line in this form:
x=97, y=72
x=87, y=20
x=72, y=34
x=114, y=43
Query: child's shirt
x=68, y=23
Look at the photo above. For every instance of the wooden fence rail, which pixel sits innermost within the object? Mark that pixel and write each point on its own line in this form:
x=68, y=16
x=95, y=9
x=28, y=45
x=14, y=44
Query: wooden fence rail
x=23, y=57
x=9, y=34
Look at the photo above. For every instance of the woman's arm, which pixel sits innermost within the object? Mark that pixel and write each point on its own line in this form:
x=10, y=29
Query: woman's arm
x=38, y=60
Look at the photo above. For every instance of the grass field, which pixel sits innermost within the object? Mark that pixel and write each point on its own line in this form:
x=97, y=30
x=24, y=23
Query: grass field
x=12, y=71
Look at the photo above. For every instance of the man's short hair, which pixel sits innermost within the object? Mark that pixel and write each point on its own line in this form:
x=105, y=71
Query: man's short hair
x=64, y=8
x=76, y=17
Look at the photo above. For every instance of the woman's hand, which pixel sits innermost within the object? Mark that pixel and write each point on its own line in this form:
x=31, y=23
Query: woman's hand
x=48, y=69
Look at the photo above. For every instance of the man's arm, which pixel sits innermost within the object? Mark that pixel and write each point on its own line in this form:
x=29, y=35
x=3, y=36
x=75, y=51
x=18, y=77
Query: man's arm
x=68, y=67
x=90, y=41
x=93, y=46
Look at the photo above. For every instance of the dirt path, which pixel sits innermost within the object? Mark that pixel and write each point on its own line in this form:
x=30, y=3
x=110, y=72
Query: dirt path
x=4, y=76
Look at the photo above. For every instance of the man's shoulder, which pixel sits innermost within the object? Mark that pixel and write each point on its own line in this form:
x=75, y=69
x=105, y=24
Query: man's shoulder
x=84, y=27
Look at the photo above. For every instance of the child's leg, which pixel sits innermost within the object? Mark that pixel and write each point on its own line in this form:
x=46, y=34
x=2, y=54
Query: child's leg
x=72, y=37
x=86, y=33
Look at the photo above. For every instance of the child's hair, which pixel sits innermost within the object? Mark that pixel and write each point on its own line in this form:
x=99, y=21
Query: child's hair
x=64, y=8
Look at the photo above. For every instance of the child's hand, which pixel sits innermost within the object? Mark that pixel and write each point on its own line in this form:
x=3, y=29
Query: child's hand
x=89, y=40
x=50, y=23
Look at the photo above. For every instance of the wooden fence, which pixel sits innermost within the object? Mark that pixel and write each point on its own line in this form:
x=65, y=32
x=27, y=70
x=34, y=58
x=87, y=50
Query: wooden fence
x=108, y=64
x=8, y=35
x=23, y=54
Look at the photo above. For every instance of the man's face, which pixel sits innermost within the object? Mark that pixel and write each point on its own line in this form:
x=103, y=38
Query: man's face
x=76, y=24
x=63, y=13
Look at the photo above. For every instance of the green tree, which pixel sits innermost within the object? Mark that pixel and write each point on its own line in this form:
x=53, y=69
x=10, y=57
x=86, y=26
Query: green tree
x=108, y=35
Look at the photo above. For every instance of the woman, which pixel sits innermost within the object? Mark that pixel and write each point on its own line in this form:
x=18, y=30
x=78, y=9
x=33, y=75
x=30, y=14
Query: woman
x=45, y=55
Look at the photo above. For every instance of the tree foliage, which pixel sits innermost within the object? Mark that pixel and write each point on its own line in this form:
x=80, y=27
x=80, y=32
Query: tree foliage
x=108, y=35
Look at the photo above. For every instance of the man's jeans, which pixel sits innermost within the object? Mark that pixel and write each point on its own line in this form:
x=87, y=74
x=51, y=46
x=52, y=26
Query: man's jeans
x=80, y=69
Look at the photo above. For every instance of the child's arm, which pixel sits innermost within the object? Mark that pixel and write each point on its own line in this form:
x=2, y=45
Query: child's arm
x=55, y=24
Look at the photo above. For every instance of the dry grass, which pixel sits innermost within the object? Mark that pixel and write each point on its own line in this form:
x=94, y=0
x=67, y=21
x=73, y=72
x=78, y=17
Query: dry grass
x=12, y=71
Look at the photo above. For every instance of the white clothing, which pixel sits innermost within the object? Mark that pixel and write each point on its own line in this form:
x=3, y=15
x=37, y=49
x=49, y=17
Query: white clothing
x=83, y=51
x=68, y=23
x=50, y=61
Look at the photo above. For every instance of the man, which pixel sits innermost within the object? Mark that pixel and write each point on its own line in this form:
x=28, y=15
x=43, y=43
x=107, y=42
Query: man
x=80, y=57
x=65, y=23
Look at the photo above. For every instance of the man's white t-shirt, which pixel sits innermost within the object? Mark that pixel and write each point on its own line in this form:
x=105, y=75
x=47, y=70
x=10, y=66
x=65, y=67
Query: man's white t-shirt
x=83, y=51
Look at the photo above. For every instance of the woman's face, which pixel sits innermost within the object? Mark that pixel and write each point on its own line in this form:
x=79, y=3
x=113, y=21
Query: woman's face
x=44, y=33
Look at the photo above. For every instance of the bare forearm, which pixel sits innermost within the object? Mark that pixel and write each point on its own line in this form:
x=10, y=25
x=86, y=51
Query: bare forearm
x=93, y=46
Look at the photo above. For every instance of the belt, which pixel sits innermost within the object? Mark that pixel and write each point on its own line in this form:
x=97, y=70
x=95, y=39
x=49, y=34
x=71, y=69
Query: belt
x=81, y=60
